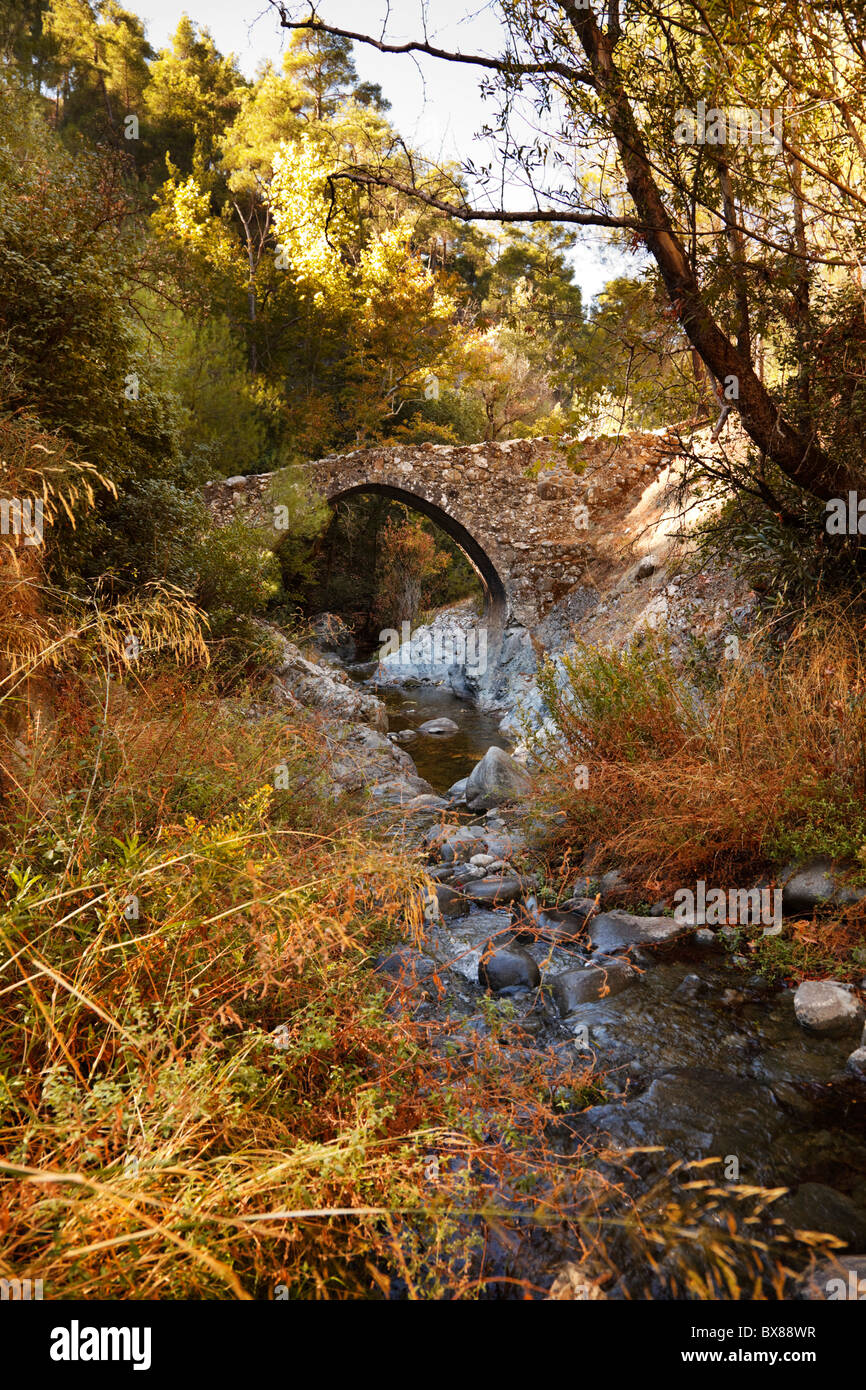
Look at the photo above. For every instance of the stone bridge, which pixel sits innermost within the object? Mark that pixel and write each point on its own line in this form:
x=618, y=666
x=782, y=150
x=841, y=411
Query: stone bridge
x=526, y=512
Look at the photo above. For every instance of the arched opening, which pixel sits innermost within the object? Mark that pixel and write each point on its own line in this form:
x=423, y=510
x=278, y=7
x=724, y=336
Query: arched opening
x=495, y=598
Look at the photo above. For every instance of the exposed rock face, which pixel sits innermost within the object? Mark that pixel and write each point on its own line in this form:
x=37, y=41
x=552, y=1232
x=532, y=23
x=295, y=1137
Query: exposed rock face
x=296, y=679
x=825, y=1006
x=497, y=778
x=450, y=650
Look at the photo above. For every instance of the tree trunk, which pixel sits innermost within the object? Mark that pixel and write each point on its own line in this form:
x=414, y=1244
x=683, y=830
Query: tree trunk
x=798, y=454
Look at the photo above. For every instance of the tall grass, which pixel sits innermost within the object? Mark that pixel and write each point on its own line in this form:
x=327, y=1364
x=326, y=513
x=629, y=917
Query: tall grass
x=734, y=767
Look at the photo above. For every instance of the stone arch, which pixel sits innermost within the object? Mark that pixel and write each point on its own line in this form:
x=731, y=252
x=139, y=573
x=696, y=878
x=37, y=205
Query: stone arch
x=495, y=593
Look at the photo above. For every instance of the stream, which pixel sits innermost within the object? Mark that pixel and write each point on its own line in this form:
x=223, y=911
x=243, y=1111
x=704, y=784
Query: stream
x=441, y=761
x=697, y=1055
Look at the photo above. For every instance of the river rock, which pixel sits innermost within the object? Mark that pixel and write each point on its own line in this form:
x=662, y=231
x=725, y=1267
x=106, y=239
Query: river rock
x=428, y=801
x=614, y=885
x=457, y=792
x=575, y=987
x=828, y=1007
x=467, y=873
x=584, y=908
x=406, y=966
x=612, y=932
x=504, y=844
x=463, y=842
x=495, y=890
x=400, y=791
x=816, y=884
x=856, y=1063
x=497, y=778
x=508, y=968
x=807, y=887
x=549, y=924
x=440, y=728
x=438, y=834
x=816, y=1207
x=403, y=736
x=451, y=903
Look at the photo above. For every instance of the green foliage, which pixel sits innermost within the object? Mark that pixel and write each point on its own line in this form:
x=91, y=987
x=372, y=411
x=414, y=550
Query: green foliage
x=223, y=424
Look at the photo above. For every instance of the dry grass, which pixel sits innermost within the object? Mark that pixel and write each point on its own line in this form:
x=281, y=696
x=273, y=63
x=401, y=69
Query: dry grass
x=766, y=764
x=159, y=1140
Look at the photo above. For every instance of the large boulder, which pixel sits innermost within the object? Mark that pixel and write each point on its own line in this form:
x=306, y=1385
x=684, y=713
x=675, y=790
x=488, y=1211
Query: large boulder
x=828, y=1007
x=508, y=968
x=575, y=987
x=457, y=791
x=613, y=932
x=816, y=884
x=497, y=778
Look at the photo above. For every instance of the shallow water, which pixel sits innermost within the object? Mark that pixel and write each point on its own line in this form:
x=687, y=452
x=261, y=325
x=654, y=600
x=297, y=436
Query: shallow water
x=441, y=760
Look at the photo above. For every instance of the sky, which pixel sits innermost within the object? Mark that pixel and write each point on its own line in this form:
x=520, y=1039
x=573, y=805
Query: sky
x=437, y=108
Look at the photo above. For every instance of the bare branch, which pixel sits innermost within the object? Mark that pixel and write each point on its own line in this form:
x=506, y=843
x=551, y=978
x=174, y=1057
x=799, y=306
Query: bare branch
x=507, y=65
x=464, y=213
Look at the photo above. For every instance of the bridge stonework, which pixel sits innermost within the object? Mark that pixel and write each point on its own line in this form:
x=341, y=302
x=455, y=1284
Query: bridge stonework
x=526, y=519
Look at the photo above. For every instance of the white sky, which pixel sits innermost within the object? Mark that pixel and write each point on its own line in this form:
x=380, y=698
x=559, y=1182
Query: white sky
x=436, y=107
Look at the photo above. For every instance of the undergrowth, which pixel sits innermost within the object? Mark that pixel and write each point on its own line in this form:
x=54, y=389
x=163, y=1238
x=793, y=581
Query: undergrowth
x=726, y=778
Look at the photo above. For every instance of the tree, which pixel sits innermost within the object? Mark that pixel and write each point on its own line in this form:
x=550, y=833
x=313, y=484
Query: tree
x=410, y=564
x=734, y=239
x=193, y=94
x=99, y=67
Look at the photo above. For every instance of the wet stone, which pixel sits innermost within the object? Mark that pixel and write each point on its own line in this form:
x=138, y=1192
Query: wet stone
x=826, y=1006
x=494, y=890
x=611, y=932
x=508, y=968
x=576, y=987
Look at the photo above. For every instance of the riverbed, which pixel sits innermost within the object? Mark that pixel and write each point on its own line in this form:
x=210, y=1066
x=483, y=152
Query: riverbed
x=697, y=1058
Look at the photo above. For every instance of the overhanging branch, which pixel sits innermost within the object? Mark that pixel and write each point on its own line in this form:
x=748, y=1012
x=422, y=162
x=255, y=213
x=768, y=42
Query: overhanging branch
x=369, y=179
x=507, y=65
